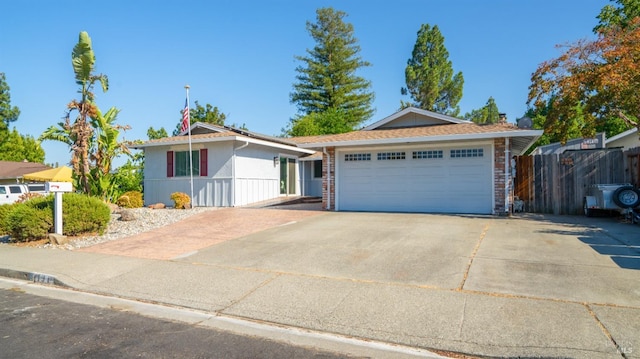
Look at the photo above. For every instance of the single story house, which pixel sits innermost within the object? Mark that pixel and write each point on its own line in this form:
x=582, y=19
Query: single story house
x=231, y=167
x=12, y=172
x=411, y=161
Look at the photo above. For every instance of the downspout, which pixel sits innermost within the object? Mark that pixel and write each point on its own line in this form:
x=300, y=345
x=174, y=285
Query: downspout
x=233, y=173
x=507, y=180
x=324, y=150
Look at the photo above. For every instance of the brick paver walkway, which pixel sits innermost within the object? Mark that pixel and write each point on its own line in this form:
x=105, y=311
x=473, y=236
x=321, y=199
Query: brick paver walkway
x=199, y=231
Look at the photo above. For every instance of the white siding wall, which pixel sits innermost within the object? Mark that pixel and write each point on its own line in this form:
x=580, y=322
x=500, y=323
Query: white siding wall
x=310, y=186
x=257, y=178
x=213, y=190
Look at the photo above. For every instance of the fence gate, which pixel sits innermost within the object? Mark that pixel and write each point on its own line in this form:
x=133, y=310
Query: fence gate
x=557, y=183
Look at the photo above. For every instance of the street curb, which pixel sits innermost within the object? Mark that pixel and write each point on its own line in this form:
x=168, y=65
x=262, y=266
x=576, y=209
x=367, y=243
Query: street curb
x=41, y=278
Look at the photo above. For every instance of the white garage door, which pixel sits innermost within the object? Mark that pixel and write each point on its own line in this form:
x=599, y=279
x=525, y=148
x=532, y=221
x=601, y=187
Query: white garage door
x=437, y=180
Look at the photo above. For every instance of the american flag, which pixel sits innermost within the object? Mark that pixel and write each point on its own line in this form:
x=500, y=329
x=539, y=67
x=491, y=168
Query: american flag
x=185, y=116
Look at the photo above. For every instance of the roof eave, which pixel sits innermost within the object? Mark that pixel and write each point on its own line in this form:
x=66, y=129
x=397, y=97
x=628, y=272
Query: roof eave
x=458, y=137
x=222, y=139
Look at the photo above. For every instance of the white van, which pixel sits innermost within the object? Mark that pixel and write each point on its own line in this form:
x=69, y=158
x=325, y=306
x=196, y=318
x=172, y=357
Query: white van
x=10, y=193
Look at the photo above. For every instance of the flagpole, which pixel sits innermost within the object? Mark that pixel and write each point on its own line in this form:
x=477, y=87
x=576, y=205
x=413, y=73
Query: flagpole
x=190, y=153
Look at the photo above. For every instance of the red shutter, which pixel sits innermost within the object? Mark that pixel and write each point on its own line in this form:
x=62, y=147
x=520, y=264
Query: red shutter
x=169, y=163
x=203, y=162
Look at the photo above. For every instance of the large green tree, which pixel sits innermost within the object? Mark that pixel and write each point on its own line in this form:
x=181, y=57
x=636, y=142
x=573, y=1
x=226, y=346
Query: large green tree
x=620, y=15
x=429, y=75
x=592, y=86
x=154, y=134
x=8, y=113
x=326, y=80
x=488, y=113
x=13, y=145
x=206, y=114
x=17, y=147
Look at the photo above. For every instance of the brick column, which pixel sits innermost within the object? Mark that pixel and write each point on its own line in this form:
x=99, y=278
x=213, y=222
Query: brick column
x=499, y=178
x=329, y=182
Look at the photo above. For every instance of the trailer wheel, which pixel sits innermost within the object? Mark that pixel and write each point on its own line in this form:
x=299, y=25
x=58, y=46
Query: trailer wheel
x=626, y=197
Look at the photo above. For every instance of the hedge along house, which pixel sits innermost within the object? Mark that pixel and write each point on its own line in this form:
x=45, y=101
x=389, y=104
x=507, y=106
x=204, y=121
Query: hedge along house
x=231, y=167
x=421, y=161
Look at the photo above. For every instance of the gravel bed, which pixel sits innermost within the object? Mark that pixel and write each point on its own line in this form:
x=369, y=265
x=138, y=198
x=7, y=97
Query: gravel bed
x=145, y=220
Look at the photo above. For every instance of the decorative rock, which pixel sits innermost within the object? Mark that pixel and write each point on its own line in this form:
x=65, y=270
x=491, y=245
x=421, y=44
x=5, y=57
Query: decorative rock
x=126, y=215
x=157, y=206
x=146, y=220
x=113, y=207
x=55, y=238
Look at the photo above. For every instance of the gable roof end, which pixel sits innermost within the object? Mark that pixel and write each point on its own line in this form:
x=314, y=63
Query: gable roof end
x=416, y=111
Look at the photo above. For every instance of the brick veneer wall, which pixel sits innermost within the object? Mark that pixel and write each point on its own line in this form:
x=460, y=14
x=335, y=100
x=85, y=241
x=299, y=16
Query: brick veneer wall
x=331, y=191
x=499, y=178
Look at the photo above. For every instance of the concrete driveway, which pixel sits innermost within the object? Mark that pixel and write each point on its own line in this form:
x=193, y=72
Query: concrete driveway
x=552, y=286
x=561, y=258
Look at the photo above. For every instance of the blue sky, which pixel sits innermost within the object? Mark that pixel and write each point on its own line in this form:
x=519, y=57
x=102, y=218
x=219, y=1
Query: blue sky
x=239, y=55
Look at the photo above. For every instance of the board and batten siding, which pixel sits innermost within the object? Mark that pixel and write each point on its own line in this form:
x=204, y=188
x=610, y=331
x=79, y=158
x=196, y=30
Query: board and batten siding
x=257, y=178
x=214, y=189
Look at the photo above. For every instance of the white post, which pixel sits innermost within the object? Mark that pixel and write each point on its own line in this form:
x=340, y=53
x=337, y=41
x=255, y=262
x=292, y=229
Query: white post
x=190, y=154
x=57, y=204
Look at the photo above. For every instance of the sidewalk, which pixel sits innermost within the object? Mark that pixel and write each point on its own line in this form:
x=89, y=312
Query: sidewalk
x=463, y=318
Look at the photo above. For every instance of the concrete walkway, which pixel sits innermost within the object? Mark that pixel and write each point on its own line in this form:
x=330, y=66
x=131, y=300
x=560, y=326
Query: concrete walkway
x=532, y=286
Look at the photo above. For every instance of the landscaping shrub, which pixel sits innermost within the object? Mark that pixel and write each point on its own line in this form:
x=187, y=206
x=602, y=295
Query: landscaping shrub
x=84, y=214
x=181, y=200
x=41, y=202
x=26, y=223
x=131, y=199
x=4, y=211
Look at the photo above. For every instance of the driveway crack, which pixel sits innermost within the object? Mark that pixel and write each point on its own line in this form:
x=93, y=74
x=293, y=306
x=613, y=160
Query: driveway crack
x=606, y=332
x=248, y=293
x=472, y=257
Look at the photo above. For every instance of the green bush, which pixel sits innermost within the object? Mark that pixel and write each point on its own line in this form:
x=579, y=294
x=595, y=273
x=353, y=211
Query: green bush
x=26, y=223
x=41, y=202
x=84, y=214
x=181, y=200
x=4, y=211
x=131, y=199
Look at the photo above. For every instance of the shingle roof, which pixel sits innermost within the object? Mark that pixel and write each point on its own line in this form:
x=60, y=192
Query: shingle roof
x=193, y=137
x=410, y=132
x=11, y=170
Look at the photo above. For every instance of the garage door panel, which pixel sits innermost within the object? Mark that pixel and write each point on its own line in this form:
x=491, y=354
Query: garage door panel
x=443, y=185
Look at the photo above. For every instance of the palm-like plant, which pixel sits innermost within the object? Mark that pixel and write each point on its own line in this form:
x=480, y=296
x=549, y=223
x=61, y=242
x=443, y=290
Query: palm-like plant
x=78, y=133
x=92, y=136
x=104, y=147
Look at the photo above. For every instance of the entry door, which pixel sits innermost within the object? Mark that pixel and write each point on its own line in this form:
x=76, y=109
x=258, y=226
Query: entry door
x=287, y=176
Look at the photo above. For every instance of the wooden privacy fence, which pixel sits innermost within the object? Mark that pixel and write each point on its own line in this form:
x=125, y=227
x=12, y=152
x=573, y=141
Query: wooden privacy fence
x=557, y=183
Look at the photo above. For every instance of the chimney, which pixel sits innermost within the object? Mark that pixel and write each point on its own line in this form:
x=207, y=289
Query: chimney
x=502, y=118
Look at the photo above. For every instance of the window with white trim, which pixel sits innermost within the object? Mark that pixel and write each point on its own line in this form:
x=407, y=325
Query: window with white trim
x=182, y=163
x=427, y=154
x=383, y=156
x=357, y=157
x=467, y=152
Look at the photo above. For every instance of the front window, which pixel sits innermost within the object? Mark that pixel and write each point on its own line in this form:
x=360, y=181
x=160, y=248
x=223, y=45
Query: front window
x=317, y=169
x=182, y=163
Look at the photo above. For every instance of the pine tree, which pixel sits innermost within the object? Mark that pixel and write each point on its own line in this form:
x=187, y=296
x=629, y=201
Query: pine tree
x=327, y=82
x=429, y=75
